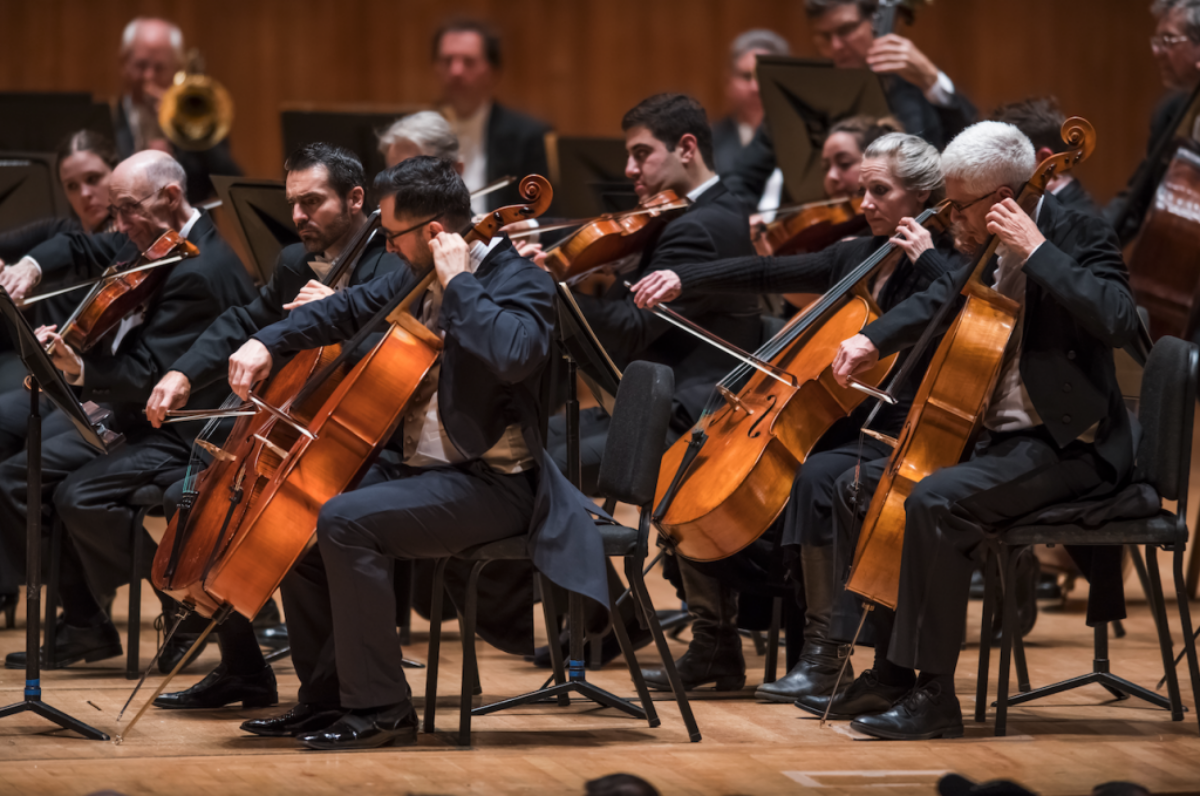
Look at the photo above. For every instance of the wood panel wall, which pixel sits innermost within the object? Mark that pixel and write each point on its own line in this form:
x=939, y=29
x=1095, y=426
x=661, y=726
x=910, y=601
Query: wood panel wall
x=581, y=63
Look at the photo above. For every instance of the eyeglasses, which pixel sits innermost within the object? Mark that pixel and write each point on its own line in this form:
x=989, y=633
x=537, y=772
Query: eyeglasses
x=959, y=207
x=392, y=237
x=1165, y=41
x=841, y=32
x=130, y=208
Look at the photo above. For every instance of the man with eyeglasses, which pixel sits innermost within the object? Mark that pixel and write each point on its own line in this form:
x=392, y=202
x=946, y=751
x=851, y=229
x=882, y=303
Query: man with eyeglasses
x=922, y=97
x=1055, y=430
x=148, y=197
x=1176, y=48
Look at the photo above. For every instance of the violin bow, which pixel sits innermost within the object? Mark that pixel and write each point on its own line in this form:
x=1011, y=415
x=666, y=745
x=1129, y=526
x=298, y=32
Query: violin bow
x=98, y=280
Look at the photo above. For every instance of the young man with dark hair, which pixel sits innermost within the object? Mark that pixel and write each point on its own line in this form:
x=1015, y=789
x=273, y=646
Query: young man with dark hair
x=494, y=141
x=325, y=187
x=921, y=96
x=472, y=465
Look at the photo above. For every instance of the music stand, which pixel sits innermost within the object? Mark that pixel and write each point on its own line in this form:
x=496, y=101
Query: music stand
x=588, y=174
x=356, y=128
x=261, y=215
x=29, y=189
x=44, y=377
x=802, y=98
x=578, y=344
x=38, y=121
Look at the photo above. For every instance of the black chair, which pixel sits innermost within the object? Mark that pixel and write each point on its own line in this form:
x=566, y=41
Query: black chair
x=1163, y=461
x=629, y=474
x=148, y=501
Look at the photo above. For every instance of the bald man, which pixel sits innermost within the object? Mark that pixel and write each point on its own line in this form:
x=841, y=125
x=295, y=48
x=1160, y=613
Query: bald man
x=89, y=491
x=150, y=55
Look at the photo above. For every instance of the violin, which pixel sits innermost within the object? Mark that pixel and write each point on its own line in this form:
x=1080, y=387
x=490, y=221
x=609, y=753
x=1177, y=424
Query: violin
x=954, y=395
x=723, y=485
x=255, y=508
x=809, y=227
x=121, y=290
x=612, y=237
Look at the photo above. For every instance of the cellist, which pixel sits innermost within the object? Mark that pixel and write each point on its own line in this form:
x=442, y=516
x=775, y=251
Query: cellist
x=91, y=491
x=901, y=176
x=472, y=468
x=1056, y=430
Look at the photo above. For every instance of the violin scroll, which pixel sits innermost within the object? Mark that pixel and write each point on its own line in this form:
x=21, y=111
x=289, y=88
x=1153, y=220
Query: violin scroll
x=1080, y=136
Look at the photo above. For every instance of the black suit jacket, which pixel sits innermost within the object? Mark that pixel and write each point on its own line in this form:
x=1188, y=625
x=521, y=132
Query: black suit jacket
x=1075, y=197
x=199, y=166
x=919, y=116
x=516, y=147
x=499, y=331
x=1127, y=209
x=196, y=291
x=1078, y=308
x=208, y=360
x=727, y=144
x=713, y=228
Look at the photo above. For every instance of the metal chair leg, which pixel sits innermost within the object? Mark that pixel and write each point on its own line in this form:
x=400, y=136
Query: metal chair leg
x=1008, y=626
x=470, y=665
x=49, y=624
x=985, y=633
x=134, y=632
x=772, y=662
x=634, y=574
x=635, y=671
x=1185, y=622
x=550, y=614
x=435, y=643
x=1164, y=633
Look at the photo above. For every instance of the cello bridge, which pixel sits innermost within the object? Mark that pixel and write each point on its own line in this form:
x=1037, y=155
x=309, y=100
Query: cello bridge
x=218, y=453
x=732, y=399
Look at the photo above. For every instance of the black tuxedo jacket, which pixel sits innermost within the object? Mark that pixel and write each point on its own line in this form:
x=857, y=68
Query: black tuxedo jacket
x=1078, y=308
x=715, y=227
x=516, y=147
x=199, y=166
x=727, y=144
x=207, y=361
x=1075, y=197
x=196, y=291
x=499, y=326
x=917, y=115
x=1135, y=199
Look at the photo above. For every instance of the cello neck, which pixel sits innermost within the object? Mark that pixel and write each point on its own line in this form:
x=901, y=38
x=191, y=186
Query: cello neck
x=350, y=256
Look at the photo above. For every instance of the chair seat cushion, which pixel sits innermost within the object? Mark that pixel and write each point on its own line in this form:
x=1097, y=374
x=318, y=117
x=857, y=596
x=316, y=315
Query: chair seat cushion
x=618, y=541
x=1163, y=528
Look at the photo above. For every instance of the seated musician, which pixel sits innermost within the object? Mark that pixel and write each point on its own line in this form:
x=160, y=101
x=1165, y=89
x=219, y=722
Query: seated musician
x=1041, y=120
x=326, y=189
x=421, y=133
x=472, y=466
x=91, y=491
x=1056, y=429
x=922, y=98
x=1176, y=48
x=901, y=176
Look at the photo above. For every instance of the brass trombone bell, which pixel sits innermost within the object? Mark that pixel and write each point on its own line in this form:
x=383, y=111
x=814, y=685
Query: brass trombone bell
x=196, y=112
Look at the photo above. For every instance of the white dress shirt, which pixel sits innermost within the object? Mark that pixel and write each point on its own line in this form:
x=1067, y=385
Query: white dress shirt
x=472, y=148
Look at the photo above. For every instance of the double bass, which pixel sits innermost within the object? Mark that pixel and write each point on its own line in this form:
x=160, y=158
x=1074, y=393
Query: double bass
x=723, y=485
x=954, y=395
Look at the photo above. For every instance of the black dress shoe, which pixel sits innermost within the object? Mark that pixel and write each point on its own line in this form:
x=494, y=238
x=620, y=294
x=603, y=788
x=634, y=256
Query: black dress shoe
x=866, y=695
x=8, y=604
x=75, y=644
x=926, y=712
x=220, y=688
x=707, y=660
x=297, y=721
x=396, y=725
x=813, y=675
x=176, y=648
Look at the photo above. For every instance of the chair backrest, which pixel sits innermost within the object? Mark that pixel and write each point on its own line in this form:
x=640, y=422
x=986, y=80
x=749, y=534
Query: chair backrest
x=637, y=434
x=1166, y=412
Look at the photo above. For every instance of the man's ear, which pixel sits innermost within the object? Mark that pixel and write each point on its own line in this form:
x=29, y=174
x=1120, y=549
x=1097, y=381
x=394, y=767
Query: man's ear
x=1005, y=192
x=433, y=229
x=174, y=196
x=687, y=148
x=1043, y=153
x=356, y=198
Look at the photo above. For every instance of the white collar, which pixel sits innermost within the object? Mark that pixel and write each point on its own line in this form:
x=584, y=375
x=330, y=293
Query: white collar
x=480, y=251
x=191, y=222
x=694, y=194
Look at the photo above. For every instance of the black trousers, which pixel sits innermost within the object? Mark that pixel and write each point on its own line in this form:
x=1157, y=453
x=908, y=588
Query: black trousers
x=1007, y=476
x=14, y=420
x=345, y=593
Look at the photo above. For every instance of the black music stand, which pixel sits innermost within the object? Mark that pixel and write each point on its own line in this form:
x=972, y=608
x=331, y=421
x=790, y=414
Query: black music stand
x=29, y=189
x=38, y=121
x=261, y=215
x=44, y=377
x=578, y=345
x=802, y=98
x=356, y=128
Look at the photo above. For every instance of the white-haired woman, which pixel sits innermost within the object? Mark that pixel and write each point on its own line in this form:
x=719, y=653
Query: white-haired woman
x=901, y=176
x=421, y=133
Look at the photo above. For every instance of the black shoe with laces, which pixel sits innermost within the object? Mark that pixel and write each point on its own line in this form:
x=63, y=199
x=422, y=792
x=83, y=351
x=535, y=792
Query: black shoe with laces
x=74, y=644
x=866, y=695
x=394, y=726
x=220, y=688
x=299, y=720
x=924, y=713
x=814, y=674
x=717, y=660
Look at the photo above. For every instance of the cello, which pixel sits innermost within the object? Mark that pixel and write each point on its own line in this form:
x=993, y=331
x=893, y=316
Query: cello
x=723, y=485
x=954, y=395
x=261, y=505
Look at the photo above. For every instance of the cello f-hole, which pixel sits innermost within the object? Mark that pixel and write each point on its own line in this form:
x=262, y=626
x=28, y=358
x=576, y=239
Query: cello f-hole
x=754, y=432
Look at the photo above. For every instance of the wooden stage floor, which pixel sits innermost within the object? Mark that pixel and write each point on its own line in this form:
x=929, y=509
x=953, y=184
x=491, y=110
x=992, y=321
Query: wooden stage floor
x=1062, y=745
